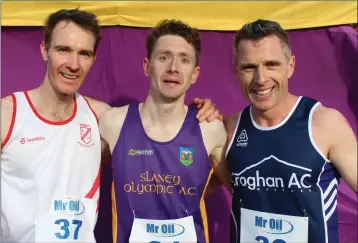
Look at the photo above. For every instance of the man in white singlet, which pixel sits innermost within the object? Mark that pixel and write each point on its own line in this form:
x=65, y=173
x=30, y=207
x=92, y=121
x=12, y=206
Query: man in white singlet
x=50, y=142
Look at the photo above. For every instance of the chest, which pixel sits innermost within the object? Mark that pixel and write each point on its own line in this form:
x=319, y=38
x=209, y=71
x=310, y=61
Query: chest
x=282, y=158
x=40, y=144
x=182, y=160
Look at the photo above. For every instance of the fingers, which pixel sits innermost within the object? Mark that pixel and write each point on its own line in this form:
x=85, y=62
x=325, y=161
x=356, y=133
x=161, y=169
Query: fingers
x=196, y=101
x=214, y=116
x=221, y=116
x=204, y=109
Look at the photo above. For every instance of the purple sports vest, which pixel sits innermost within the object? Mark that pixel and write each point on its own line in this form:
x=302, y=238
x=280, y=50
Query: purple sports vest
x=159, y=180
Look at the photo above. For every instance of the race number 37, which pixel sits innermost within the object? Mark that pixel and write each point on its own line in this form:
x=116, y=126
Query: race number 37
x=263, y=239
x=66, y=228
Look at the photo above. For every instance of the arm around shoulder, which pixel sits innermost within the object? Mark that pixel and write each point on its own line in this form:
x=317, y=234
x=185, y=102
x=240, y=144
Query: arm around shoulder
x=98, y=107
x=342, y=143
x=217, y=155
x=110, y=124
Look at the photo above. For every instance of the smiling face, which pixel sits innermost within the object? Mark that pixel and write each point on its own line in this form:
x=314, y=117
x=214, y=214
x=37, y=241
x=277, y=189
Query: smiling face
x=69, y=57
x=263, y=69
x=171, y=68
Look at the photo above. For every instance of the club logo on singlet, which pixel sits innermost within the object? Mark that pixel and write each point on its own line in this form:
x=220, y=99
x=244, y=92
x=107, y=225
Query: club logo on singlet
x=186, y=155
x=273, y=174
x=242, y=139
x=85, y=136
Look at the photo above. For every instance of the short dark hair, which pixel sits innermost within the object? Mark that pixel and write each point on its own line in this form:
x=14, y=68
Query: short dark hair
x=174, y=27
x=260, y=29
x=84, y=19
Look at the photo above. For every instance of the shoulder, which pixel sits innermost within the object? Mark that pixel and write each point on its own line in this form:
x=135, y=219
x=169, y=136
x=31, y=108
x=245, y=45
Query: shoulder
x=327, y=118
x=7, y=109
x=99, y=107
x=114, y=116
x=7, y=104
x=231, y=123
x=330, y=124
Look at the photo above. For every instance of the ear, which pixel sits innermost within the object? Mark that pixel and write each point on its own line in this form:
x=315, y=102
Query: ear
x=291, y=66
x=146, y=67
x=44, y=53
x=195, y=75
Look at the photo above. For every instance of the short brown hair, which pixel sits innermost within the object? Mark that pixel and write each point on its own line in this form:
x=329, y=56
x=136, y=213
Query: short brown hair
x=174, y=27
x=260, y=29
x=84, y=19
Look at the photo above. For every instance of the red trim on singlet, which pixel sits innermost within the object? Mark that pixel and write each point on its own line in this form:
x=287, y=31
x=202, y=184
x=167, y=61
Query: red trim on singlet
x=58, y=123
x=94, y=113
x=97, y=181
x=95, y=186
x=8, y=135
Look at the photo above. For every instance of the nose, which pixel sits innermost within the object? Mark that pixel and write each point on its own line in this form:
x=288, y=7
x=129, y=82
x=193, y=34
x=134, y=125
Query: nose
x=173, y=65
x=73, y=63
x=261, y=75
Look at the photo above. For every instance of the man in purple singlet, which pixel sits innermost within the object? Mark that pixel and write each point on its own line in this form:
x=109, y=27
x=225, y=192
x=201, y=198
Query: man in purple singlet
x=160, y=151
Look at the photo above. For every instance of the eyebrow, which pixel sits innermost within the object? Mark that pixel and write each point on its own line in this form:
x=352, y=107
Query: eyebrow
x=266, y=63
x=183, y=54
x=272, y=63
x=90, y=52
x=248, y=65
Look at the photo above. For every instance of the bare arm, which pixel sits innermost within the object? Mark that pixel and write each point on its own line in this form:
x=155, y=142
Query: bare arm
x=99, y=108
x=337, y=141
x=6, y=116
x=110, y=125
x=214, y=135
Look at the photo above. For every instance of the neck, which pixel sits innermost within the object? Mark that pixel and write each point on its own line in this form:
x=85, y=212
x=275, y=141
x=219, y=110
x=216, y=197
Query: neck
x=276, y=114
x=163, y=113
x=46, y=95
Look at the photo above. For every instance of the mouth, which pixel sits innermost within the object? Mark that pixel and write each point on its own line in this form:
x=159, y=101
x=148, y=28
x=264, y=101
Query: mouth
x=263, y=92
x=171, y=81
x=69, y=76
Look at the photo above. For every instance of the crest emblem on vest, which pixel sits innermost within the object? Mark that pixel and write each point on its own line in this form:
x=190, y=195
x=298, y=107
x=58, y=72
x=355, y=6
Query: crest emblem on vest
x=86, y=134
x=186, y=155
x=242, y=139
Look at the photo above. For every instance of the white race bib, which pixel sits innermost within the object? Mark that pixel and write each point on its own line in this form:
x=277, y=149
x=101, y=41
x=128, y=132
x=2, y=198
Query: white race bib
x=69, y=220
x=272, y=228
x=168, y=231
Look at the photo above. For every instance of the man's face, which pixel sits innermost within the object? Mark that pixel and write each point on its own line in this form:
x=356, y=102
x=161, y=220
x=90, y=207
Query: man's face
x=69, y=57
x=263, y=69
x=171, y=67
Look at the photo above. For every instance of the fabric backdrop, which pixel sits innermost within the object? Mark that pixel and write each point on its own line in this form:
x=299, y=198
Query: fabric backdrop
x=326, y=62
x=205, y=15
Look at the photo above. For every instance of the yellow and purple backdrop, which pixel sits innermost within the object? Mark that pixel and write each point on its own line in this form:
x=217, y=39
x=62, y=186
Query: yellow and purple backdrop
x=324, y=43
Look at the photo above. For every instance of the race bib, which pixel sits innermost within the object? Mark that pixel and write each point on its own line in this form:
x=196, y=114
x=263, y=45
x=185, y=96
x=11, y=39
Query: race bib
x=168, y=231
x=68, y=220
x=272, y=228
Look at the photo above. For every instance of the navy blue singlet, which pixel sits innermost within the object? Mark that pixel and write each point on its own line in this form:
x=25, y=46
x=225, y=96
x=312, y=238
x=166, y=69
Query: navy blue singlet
x=279, y=172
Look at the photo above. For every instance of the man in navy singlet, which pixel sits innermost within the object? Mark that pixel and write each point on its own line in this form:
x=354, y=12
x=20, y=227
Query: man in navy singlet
x=160, y=152
x=286, y=154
